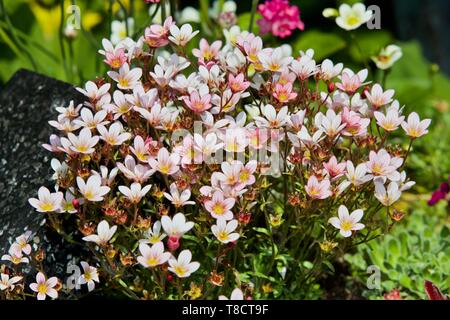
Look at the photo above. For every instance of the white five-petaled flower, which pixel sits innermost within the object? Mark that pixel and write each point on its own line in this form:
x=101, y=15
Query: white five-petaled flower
x=387, y=57
x=351, y=18
x=104, y=234
x=47, y=202
x=153, y=234
x=381, y=164
x=271, y=118
x=126, y=78
x=89, y=120
x=177, y=226
x=89, y=277
x=178, y=199
x=92, y=189
x=414, y=127
x=22, y=242
x=331, y=123
x=153, y=256
x=15, y=255
x=223, y=230
x=181, y=36
x=346, y=222
x=236, y=294
x=135, y=193
x=357, y=176
x=8, y=283
x=391, y=121
x=45, y=287
x=140, y=149
x=183, y=267
x=165, y=163
x=114, y=135
x=83, y=143
x=377, y=97
x=387, y=196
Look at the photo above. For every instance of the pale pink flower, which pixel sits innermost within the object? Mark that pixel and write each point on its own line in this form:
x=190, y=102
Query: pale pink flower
x=140, y=149
x=378, y=98
x=354, y=124
x=274, y=60
x=15, y=255
x=178, y=199
x=152, y=256
x=207, y=52
x=7, y=283
x=414, y=127
x=345, y=222
x=157, y=35
x=126, y=78
x=328, y=70
x=383, y=165
x=98, y=96
x=350, y=82
x=23, y=244
x=304, y=67
x=283, y=93
x=331, y=123
x=219, y=206
x=106, y=175
x=335, y=169
x=45, y=287
x=165, y=162
x=197, y=103
x=318, y=190
x=137, y=172
x=246, y=176
x=83, y=143
x=114, y=56
x=238, y=83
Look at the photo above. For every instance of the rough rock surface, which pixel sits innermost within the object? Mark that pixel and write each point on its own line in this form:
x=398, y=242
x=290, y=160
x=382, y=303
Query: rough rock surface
x=27, y=103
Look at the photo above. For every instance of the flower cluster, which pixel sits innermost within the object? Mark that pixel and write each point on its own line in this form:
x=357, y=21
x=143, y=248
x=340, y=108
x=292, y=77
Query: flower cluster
x=178, y=160
x=279, y=18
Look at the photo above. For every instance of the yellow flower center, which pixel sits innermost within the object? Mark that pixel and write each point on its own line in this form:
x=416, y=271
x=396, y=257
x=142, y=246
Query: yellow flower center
x=164, y=168
x=152, y=261
x=222, y=236
x=346, y=225
x=218, y=209
x=180, y=270
x=244, y=175
x=82, y=148
x=42, y=288
x=47, y=206
x=124, y=82
x=352, y=20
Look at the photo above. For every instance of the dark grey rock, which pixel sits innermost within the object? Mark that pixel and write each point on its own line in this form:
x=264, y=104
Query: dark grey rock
x=27, y=103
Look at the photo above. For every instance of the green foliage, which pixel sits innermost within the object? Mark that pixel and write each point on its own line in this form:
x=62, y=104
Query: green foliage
x=418, y=249
x=323, y=43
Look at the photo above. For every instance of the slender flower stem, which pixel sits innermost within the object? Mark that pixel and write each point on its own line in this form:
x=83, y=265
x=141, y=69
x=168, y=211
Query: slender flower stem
x=252, y=15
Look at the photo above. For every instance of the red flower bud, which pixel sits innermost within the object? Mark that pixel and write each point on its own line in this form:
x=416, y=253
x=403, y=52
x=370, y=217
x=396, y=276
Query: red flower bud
x=76, y=204
x=173, y=243
x=330, y=87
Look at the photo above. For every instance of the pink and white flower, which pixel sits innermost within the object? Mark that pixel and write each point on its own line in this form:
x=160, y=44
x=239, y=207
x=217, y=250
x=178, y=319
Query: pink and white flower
x=114, y=135
x=126, y=79
x=83, y=143
x=45, y=287
x=181, y=36
x=318, y=190
x=219, y=206
x=345, y=222
x=165, y=162
x=7, y=283
x=176, y=226
x=414, y=127
x=178, y=199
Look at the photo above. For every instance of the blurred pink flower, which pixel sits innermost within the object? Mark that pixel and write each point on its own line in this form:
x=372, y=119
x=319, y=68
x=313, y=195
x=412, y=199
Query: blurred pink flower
x=279, y=18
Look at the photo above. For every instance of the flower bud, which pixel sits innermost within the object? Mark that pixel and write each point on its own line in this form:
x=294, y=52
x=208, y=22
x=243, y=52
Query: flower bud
x=173, y=243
